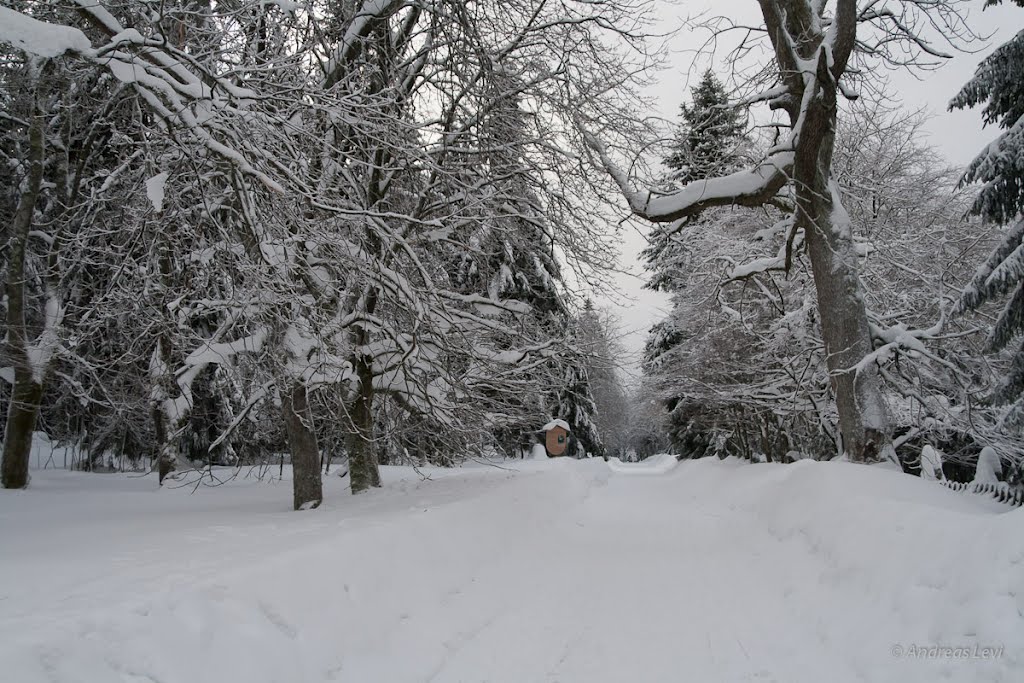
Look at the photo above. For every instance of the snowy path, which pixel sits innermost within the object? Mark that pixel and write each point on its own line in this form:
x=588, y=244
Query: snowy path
x=561, y=571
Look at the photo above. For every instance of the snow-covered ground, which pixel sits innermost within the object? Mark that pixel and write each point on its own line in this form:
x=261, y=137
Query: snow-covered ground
x=543, y=571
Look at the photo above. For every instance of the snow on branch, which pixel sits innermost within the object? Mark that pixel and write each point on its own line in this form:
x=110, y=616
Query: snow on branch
x=211, y=352
x=162, y=78
x=198, y=360
x=770, y=95
x=995, y=167
x=983, y=285
x=40, y=352
x=898, y=339
x=781, y=261
x=40, y=38
x=750, y=187
x=357, y=31
x=258, y=395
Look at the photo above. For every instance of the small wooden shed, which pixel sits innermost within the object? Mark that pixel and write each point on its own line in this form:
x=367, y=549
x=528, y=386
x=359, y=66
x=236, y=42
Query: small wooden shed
x=556, y=437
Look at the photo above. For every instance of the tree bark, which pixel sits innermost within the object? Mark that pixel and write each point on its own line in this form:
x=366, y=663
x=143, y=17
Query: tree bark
x=21, y=422
x=864, y=419
x=863, y=415
x=165, y=454
x=28, y=379
x=307, y=487
x=364, y=472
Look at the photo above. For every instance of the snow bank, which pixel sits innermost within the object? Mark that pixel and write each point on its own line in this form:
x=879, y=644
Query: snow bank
x=558, y=570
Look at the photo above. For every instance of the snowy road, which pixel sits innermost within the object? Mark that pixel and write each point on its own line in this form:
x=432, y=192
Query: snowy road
x=560, y=571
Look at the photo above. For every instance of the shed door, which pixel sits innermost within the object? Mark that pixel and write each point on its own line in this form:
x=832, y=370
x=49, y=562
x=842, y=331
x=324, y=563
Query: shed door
x=556, y=441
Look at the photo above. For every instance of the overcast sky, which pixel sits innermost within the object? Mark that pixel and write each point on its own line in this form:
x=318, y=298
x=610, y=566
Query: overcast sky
x=958, y=135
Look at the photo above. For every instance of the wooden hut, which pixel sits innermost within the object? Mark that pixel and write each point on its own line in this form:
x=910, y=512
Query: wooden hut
x=556, y=437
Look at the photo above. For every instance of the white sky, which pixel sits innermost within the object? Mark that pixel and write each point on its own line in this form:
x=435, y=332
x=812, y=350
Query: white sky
x=957, y=135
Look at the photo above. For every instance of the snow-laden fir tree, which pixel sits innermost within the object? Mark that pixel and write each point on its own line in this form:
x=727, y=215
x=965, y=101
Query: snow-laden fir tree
x=686, y=351
x=575, y=404
x=707, y=140
x=508, y=253
x=998, y=83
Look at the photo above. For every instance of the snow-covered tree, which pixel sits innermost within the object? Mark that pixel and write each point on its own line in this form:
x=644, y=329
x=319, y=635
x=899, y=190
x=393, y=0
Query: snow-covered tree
x=739, y=360
x=292, y=184
x=998, y=84
x=820, y=50
x=708, y=140
x=574, y=403
x=602, y=353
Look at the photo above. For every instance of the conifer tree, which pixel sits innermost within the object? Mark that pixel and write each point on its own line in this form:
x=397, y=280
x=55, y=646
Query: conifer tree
x=575, y=404
x=998, y=84
x=706, y=142
x=573, y=397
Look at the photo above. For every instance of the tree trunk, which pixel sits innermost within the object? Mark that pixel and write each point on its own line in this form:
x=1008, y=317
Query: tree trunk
x=307, y=486
x=863, y=414
x=864, y=420
x=164, y=457
x=362, y=460
x=28, y=379
x=168, y=456
x=21, y=422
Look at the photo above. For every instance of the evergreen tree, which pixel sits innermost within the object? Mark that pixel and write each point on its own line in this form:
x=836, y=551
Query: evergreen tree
x=706, y=142
x=509, y=253
x=706, y=145
x=998, y=83
x=572, y=397
x=575, y=404
x=511, y=248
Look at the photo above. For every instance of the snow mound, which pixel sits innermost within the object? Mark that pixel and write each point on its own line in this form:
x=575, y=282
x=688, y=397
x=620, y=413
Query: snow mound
x=555, y=423
x=539, y=452
x=988, y=468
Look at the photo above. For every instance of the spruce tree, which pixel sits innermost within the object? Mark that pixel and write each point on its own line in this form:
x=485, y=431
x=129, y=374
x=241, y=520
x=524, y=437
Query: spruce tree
x=998, y=84
x=706, y=142
x=575, y=404
x=573, y=397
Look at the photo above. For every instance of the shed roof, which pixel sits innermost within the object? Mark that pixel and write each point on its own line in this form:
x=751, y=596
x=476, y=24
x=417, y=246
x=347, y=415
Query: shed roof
x=556, y=423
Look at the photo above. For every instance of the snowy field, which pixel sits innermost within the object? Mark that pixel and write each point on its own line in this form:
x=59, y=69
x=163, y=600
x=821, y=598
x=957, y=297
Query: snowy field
x=549, y=571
